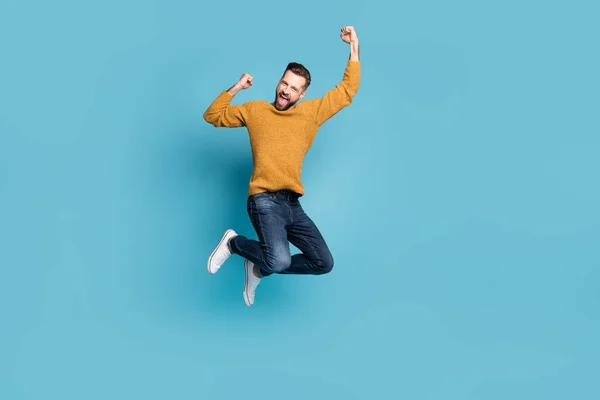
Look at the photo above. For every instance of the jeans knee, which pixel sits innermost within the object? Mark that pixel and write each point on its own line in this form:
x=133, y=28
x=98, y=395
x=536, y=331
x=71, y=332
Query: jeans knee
x=278, y=262
x=325, y=264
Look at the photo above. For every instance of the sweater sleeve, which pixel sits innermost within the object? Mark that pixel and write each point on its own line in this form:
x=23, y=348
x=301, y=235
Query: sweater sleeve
x=221, y=113
x=340, y=96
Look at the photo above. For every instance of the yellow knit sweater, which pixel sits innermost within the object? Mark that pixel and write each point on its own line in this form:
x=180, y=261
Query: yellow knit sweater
x=280, y=139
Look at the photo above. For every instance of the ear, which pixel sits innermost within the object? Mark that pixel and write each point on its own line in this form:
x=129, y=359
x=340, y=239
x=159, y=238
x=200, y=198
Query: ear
x=302, y=94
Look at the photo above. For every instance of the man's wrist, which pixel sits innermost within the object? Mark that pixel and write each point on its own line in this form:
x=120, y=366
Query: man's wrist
x=234, y=89
x=354, y=51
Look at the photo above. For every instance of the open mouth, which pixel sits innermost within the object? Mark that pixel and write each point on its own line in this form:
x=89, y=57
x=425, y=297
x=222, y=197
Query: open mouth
x=282, y=99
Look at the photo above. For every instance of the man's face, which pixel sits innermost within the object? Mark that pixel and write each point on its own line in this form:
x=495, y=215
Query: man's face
x=289, y=90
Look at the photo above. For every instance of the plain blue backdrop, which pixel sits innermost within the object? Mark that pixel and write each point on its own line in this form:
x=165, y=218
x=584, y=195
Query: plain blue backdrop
x=459, y=194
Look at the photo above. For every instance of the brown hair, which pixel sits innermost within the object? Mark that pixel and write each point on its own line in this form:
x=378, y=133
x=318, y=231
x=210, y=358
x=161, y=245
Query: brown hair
x=300, y=70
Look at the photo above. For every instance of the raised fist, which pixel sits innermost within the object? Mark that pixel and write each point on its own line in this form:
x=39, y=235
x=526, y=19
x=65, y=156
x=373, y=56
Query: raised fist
x=348, y=34
x=245, y=81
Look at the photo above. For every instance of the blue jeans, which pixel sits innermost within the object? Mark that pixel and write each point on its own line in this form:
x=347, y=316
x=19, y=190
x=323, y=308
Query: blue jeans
x=279, y=219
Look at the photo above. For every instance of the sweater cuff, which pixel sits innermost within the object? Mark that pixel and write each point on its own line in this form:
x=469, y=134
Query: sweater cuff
x=353, y=66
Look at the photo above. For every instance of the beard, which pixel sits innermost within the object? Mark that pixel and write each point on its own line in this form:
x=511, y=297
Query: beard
x=282, y=104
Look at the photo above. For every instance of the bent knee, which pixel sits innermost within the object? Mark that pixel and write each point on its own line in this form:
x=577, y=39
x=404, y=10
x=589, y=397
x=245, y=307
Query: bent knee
x=325, y=264
x=278, y=263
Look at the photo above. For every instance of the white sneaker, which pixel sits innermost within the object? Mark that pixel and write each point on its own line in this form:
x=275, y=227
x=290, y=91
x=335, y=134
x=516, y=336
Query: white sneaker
x=250, y=282
x=221, y=253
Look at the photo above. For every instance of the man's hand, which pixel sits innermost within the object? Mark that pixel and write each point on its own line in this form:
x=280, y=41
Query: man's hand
x=348, y=35
x=244, y=83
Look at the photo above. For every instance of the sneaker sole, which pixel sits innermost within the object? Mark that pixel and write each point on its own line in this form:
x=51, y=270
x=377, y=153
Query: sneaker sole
x=246, y=299
x=227, y=232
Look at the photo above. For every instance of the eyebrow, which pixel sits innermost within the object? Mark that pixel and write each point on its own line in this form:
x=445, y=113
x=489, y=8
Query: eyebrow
x=284, y=81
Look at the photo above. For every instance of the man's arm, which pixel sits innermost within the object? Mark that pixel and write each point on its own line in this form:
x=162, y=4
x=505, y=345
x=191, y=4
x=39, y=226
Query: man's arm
x=341, y=96
x=352, y=39
x=222, y=114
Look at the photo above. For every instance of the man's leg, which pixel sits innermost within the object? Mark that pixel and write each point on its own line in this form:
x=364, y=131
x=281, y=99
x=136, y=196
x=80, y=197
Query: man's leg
x=271, y=253
x=316, y=258
x=280, y=220
x=270, y=216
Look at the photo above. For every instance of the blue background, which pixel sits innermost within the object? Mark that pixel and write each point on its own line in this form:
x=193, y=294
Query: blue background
x=459, y=194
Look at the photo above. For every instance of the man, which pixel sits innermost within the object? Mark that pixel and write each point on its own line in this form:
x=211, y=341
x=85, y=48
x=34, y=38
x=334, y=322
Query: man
x=281, y=134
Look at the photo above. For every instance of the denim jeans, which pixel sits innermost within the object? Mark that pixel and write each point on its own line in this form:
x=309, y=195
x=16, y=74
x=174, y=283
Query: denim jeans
x=279, y=219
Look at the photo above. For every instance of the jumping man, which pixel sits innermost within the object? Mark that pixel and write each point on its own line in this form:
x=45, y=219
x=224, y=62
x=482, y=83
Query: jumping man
x=281, y=133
